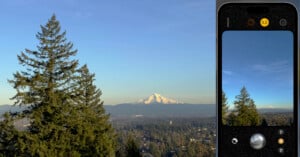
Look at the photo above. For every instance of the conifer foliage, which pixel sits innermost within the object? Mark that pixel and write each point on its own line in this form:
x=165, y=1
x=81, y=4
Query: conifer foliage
x=245, y=112
x=66, y=114
x=224, y=108
x=132, y=149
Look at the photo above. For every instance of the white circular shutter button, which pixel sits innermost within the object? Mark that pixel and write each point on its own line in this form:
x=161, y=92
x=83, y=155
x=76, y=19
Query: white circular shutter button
x=257, y=141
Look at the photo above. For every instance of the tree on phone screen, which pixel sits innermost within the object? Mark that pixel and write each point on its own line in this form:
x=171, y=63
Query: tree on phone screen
x=245, y=112
x=224, y=108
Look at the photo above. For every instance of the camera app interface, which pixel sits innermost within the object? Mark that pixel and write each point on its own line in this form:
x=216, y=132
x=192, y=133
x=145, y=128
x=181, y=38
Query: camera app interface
x=257, y=78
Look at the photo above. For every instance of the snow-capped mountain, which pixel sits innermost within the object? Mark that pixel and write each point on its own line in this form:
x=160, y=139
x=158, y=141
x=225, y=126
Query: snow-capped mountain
x=158, y=99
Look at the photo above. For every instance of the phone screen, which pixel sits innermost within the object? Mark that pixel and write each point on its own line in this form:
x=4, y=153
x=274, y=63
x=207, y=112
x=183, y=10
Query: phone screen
x=257, y=77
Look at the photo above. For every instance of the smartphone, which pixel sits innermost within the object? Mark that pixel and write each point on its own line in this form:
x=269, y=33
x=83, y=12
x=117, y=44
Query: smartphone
x=257, y=73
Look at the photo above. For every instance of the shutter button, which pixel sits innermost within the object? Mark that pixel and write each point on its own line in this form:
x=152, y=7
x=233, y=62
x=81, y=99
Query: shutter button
x=257, y=141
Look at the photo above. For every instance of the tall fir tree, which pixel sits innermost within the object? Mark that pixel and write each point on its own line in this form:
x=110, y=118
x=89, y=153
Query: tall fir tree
x=91, y=118
x=246, y=113
x=50, y=70
x=49, y=86
x=224, y=108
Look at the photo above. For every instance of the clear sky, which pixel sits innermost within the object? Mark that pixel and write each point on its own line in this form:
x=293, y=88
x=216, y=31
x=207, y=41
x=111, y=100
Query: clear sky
x=262, y=61
x=135, y=47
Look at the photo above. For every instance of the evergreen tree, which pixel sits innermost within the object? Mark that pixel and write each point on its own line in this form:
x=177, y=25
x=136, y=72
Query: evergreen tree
x=224, y=108
x=45, y=87
x=132, y=149
x=264, y=122
x=8, y=136
x=231, y=119
x=154, y=149
x=91, y=126
x=246, y=113
x=61, y=122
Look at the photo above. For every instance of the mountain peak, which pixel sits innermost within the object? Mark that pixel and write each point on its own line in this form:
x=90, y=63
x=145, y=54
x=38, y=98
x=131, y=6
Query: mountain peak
x=156, y=98
x=156, y=94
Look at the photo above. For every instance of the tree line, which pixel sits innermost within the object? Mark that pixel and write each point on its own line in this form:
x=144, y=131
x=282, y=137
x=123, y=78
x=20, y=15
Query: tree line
x=192, y=137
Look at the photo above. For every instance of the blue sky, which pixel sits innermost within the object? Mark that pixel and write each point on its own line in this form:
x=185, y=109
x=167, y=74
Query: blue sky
x=135, y=47
x=262, y=61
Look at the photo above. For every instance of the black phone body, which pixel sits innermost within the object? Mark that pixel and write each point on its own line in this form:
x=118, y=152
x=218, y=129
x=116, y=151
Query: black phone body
x=257, y=80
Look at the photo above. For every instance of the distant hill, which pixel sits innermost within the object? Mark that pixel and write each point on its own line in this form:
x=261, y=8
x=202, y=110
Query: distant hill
x=11, y=108
x=274, y=110
x=157, y=105
x=158, y=110
x=173, y=110
x=150, y=110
